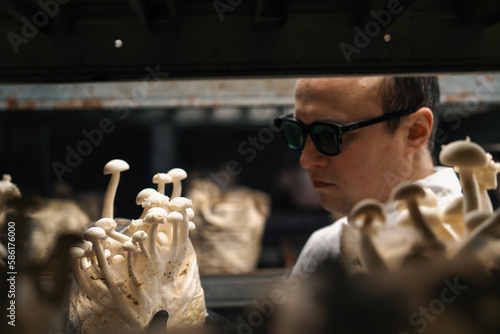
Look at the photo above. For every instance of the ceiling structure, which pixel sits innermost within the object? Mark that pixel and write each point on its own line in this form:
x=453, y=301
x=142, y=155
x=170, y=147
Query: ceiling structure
x=112, y=40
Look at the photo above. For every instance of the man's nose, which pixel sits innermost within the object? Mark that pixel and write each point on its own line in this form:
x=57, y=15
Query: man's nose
x=311, y=157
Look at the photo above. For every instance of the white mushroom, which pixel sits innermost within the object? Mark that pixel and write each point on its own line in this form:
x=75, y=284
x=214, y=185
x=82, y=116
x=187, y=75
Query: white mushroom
x=369, y=210
x=114, y=167
x=192, y=226
x=8, y=191
x=76, y=254
x=154, y=217
x=410, y=192
x=160, y=179
x=465, y=155
x=487, y=180
x=177, y=175
x=181, y=204
x=94, y=234
x=452, y=214
x=140, y=237
x=175, y=218
x=142, y=196
x=432, y=218
x=109, y=225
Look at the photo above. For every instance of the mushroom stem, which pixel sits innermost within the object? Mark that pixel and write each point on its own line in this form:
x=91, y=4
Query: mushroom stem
x=109, y=197
x=140, y=237
x=471, y=189
x=153, y=230
x=184, y=228
x=370, y=254
x=77, y=254
x=118, y=299
x=485, y=199
x=477, y=239
x=421, y=225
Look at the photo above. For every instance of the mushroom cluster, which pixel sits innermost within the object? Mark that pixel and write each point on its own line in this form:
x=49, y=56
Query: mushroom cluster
x=467, y=227
x=123, y=278
x=8, y=191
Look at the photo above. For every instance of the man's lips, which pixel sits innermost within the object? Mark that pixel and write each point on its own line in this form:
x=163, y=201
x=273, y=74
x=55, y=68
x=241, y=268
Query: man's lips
x=318, y=183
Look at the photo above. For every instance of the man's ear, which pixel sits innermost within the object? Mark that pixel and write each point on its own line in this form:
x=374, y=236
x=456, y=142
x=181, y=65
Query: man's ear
x=420, y=128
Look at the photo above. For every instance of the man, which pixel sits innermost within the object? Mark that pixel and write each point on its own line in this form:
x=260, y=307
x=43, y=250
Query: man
x=390, y=144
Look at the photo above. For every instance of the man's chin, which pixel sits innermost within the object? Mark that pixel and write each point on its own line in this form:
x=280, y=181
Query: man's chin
x=335, y=205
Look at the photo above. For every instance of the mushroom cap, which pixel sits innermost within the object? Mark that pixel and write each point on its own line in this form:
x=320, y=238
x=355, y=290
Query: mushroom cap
x=156, y=200
x=192, y=226
x=177, y=174
x=130, y=246
x=368, y=207
x=175, y=217
x=8, y=189
x=115, y=165
x=406, y=191
x=144, y=194
x=139, y=236
x=76, y=252
x=190, y=213
x=107, y=224
x=161, y=178
x=463, y=153
x=94, y=233
x=180, y=203
x=155, y=216
x=487, y=174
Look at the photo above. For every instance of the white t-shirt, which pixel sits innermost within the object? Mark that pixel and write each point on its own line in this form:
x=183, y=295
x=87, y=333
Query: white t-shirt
x=325, y=242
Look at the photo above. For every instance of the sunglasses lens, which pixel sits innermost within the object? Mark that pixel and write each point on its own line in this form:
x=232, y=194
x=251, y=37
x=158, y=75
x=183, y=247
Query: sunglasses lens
x=293, y=134
x=326, y=139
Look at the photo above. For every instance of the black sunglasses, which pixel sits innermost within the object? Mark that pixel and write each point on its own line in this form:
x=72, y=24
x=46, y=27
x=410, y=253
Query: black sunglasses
x=326, y=136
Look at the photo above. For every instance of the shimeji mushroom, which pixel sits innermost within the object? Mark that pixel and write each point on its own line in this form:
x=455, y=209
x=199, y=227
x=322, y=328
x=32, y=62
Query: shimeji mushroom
x=431, y=216
x=156, y=201
x=114, y=167
x=177, y=175
x=109, y=225
x=465, y=155
x=452, y=214
x=369, y=210
x=140, y=237
x=154, y=217
x=130, y=247
x=142, y=196
x=409, y=193
x=487, y=180
x=160, y=179
x=8, y=191
x=181, y=204
x=175, y=218
x=94, y=234
x=76, y=254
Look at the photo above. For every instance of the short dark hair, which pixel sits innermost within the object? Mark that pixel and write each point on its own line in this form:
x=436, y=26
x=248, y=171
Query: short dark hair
x=398, y=93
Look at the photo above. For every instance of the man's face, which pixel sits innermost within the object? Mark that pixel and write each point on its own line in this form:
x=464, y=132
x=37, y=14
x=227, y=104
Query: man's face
x=371, y=157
